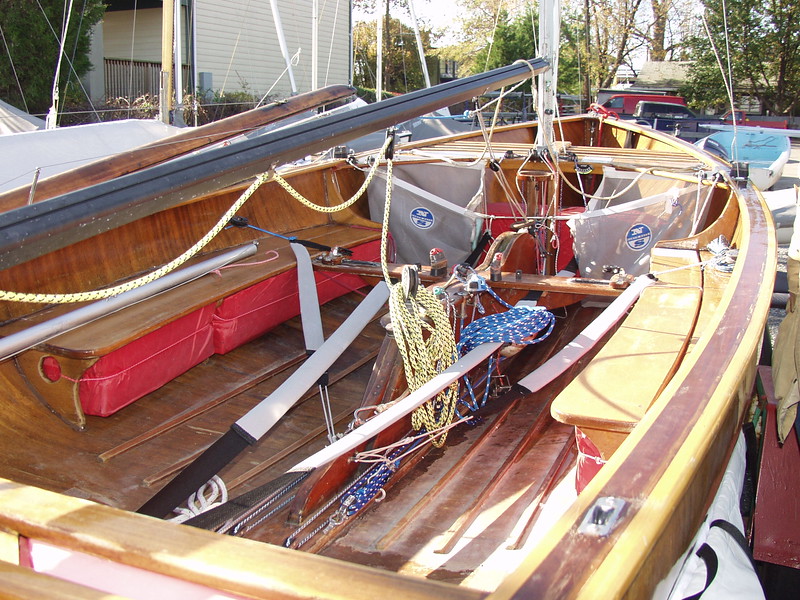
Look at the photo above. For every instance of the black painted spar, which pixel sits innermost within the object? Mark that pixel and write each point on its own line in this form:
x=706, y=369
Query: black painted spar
x=32, y=231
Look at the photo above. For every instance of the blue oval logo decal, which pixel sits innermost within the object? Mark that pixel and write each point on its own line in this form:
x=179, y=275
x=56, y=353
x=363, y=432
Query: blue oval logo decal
x=638, y=237
x=422, y=218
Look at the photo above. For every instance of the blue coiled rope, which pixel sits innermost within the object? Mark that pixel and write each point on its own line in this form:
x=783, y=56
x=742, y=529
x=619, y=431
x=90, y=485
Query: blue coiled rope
x=518, y=325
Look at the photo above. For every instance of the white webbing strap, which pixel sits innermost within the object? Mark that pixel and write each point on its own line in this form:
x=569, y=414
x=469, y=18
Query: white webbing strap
x=264, y=415
x=309, y=301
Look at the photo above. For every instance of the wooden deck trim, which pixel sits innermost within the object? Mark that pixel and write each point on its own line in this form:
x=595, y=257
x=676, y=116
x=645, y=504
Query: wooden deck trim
x=525, y=281
x=230, y=564
x=694, y=422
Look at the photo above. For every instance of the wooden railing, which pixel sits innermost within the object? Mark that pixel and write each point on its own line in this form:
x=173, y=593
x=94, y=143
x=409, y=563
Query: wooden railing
x=138, y=548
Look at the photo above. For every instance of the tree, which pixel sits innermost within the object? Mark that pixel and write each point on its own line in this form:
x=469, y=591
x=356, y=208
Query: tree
x=516, y=38
x=402, y=71
x=764, y=44
x=30, y=39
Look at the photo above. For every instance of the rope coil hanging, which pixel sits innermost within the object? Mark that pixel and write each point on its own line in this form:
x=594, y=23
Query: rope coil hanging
x=413, y=316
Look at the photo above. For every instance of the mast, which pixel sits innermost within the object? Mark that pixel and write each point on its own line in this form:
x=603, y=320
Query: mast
x=549, y=36
x=165, y=89
x=420, y=48
x=314, y=44
x=379, y=52
x=276, y=18
x=178, y=62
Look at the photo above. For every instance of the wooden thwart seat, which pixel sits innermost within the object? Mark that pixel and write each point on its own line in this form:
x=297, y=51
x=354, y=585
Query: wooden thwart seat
x=609, y=397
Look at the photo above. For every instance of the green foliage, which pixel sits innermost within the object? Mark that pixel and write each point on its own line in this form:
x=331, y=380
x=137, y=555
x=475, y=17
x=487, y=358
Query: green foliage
x=401, y=67
x=764, y=42
x=515, y=39
x=29, y=49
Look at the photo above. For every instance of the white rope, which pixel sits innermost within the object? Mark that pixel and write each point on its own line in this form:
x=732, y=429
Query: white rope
x=211, y=494
x=52, y=114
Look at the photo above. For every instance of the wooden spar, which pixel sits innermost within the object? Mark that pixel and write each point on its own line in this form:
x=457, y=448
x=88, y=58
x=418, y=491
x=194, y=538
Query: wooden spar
x=36, y=334
x=188, y=140
x=35, y=230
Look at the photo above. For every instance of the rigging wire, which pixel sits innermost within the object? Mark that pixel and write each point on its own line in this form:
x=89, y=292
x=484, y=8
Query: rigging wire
x=333, y=37
x=727, y=81
x=133, y=43
x=13, y=68
x=494, y=31
x=52, y=114
x=69, y=62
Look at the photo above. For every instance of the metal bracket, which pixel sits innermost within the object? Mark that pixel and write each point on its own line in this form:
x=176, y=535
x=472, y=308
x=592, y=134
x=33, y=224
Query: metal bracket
x=602, y=517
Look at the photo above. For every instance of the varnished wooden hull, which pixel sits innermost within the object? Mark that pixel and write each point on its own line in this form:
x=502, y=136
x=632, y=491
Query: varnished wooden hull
x=665, y=467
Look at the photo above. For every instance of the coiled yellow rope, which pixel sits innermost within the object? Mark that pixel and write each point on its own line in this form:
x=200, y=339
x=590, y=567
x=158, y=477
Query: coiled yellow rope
x=412, y=316
x=347, y=203
x=152, y=276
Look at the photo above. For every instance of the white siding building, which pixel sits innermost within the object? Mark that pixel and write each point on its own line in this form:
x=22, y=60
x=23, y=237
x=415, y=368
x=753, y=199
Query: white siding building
x=233, y=45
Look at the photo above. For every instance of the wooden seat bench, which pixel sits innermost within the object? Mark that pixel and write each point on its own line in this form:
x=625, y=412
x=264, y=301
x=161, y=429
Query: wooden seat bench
x=104, y=365
x=609, y=397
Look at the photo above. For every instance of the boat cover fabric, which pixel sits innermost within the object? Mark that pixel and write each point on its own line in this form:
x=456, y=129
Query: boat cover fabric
x=431, y=204
x=14, y=120
x=735, y=576
x=786, y=356
x=623, y=230
x=142, y=366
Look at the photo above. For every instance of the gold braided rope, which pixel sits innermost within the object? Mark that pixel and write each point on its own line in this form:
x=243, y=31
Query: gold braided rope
x=152, y=276
x=44, y=298
x=347, y=203
x=423, y=358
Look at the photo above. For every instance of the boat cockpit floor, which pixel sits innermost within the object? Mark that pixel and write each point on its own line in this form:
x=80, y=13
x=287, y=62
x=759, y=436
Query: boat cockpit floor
x=491, y=478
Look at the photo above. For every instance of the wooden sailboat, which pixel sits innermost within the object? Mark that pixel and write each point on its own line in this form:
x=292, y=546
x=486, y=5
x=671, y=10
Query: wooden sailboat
x=114, y=410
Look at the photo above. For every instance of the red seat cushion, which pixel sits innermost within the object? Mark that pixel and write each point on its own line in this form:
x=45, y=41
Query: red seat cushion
x=128, y=373
x=252, y=312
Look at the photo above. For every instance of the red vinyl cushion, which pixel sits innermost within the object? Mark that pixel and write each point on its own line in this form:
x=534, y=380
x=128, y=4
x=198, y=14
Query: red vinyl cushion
x=252, y=312
x=128, y=373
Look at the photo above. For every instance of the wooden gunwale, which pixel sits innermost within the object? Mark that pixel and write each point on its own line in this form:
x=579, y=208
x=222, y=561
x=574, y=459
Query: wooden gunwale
x=694, y=420
x=21, y=583
x=187, y=140
x=202, y=557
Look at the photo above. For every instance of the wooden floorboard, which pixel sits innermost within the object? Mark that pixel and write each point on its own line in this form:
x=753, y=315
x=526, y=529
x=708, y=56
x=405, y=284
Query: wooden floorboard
x=66, y=460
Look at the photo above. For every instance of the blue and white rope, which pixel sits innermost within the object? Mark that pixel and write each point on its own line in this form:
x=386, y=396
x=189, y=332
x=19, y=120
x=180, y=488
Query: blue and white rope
x=518, y=325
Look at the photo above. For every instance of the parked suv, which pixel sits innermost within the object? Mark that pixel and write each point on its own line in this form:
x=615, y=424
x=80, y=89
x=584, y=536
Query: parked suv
x=662, y=110
x=625, y=104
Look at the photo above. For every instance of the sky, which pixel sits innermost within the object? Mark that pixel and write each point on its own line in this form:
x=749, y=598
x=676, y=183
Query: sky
x=441, y=14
